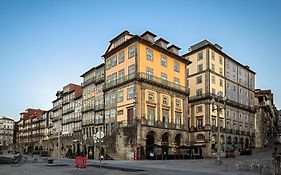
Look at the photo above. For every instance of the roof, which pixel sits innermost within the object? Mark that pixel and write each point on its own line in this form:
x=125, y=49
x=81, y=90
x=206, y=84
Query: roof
x=148, y=32
x=144, y=41
x=174, y=47
x=161, y=39
x=209, y=44
x=6, y=118
x=123, y=33
x=93, y=68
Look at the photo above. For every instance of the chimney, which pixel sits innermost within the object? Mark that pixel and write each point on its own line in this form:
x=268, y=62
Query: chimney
x=173, y=48
x=162, y=43
x=148, y=36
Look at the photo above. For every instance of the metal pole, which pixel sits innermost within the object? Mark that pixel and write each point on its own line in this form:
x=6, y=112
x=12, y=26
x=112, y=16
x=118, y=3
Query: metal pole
x=100, y=148
x=219, y=132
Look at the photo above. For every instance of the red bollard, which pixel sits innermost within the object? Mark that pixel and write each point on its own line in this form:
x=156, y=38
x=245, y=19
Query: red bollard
x=80, y=162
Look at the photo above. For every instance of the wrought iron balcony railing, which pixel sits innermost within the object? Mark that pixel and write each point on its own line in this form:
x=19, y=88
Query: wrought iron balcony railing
x=147, y=78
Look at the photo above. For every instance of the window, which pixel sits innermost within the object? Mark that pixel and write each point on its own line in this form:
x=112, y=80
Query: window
x=150, y=38
x=113, y=98
x=149, y=72
x=131, y=51
x=177, y=82
x=213, y=79
x=199, y=93
x=199, y=122
x=120, y=96
x=176, y=66
x=164, y=60
x=149, y=54
x=150, y=96
x=114, y=61
x=213, y=121
x=120, y=112
x=220, y=70
x=131, y=71
x=220, y=60
x=112, y=113
x=164, y=78
x=213, y=55
x=121, y=57
x=187, y=72
x=213, y=91
x=199, y=79
x=106, y=99
x=213, y=67
x=199, y=109
x=178, y=120
x=165, y=100
x=221, y=82
x=165, y=118
x=200, y=68
x=121, y=75
x=178, y=103
x=151, y=115
x=131, y=93
x=199, y=55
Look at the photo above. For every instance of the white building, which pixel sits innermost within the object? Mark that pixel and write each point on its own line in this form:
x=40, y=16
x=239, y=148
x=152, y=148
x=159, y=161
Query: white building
x=6, y=133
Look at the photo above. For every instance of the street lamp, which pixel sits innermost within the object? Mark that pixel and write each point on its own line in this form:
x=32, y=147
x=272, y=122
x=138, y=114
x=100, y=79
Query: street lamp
x=59, y=95
x=219, y=110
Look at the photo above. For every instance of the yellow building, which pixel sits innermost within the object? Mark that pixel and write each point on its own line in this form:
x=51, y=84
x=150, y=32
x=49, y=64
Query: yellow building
x=145, y=97
x=214, y=74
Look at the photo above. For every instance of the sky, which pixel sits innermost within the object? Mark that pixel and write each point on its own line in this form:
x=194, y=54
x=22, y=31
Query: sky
x=44, y=45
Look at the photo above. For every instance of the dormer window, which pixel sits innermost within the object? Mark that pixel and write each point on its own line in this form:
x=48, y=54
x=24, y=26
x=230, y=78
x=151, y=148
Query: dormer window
x=162, y=43
x=174, y=49
x=149, y=36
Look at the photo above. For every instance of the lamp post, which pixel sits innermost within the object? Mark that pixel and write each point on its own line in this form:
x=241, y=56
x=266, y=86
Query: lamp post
x=59, y=94
x=219, y=110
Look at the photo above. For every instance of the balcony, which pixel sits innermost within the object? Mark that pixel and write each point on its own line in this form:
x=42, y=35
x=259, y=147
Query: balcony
x=99, y=107
x=160, y=124
x=228, y=101
x=99, y=79
x=65, y=101
x=89, y=81
x=149, y=79
x=66, y=121
x=78, y=118
x=87, y=108
x=68, y=110
x=77, y=128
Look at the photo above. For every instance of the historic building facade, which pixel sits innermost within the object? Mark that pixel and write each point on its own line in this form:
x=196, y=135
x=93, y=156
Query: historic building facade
x=62, y=121
x=214, y=74
x=93, y=106
x=266, y=119
x=145, y=97
x=29, y=130
x=6, y=133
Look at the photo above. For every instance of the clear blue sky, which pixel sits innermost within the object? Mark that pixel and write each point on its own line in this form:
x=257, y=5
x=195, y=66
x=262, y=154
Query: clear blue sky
x=46, y=44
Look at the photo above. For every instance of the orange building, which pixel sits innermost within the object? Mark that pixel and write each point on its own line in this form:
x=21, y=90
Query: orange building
x=145, y=97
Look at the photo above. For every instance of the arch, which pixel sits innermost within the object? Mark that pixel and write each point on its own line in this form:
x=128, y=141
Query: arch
x=235, y=140
x=150, y=144
x=165, y=138
x=228, y=140
x=178, y=139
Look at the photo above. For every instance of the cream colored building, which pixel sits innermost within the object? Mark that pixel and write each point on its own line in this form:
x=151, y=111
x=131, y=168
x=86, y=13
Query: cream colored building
x=214, y=74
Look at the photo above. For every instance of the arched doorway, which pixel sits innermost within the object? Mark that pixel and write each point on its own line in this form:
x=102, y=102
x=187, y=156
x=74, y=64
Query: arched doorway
x=178, y=139
x=178, y=143
x=150, y=145
x=165, y=145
